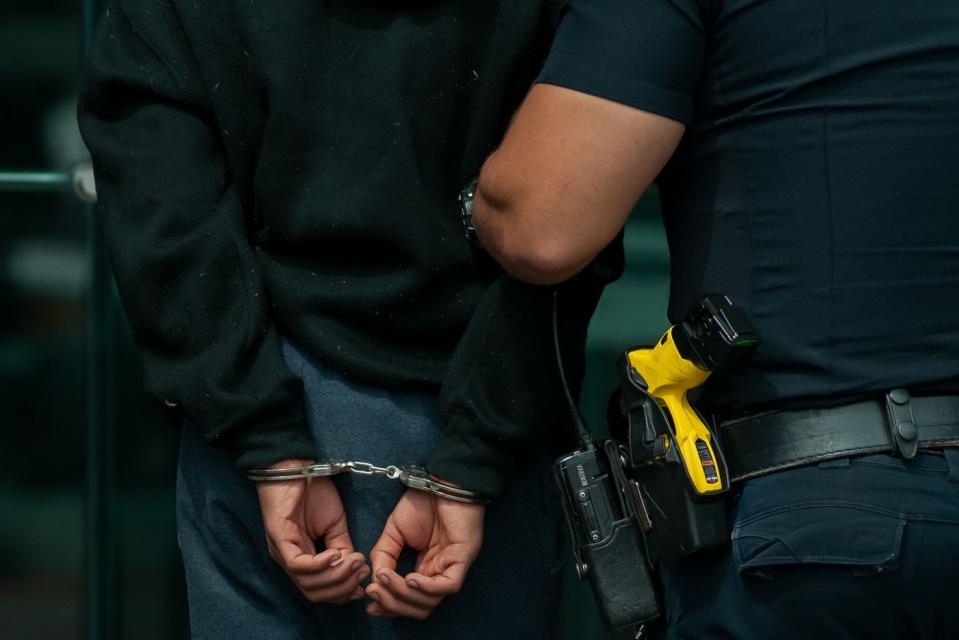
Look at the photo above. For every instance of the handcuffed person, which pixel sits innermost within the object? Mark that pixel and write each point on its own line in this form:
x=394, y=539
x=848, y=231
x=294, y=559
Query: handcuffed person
x=278, y=187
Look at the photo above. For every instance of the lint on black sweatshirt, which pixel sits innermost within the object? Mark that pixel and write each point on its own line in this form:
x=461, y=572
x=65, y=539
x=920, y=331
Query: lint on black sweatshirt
x=291, y=169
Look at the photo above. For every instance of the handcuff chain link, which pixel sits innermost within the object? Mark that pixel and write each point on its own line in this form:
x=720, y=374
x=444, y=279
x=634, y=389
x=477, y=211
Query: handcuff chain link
x=392, y=471
x=365, y=468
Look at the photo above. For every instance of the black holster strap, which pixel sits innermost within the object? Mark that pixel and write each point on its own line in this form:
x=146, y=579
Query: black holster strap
x=767, y=442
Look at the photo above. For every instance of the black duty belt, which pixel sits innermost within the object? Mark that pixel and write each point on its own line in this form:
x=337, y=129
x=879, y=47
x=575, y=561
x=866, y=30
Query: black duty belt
x=898, y=423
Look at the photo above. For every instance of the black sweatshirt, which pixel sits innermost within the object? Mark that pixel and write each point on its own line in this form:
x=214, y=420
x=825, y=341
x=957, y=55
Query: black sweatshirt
x=290, y=169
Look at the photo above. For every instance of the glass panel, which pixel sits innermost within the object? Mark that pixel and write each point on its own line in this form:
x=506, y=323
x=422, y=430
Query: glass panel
x=44, y=279
x=151, y=589
x=42, y=385
x=40, y=62
x=44, y=292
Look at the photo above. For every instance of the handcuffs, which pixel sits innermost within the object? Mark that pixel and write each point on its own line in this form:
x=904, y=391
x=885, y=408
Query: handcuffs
x=412, y=476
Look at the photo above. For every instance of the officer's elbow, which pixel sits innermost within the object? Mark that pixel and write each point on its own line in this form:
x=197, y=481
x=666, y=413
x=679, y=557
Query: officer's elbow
x=526, y=249
x=538, y=261
x=514, y=222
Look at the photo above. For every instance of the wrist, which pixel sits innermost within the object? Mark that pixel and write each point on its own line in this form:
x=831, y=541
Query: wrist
x=291, y=462
x=439, y=478
x=288, y=469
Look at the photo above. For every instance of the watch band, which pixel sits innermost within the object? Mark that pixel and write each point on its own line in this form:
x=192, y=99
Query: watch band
x=466, y=197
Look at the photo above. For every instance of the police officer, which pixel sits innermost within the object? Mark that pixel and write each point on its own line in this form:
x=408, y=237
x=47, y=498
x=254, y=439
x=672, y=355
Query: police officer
x=806, y=156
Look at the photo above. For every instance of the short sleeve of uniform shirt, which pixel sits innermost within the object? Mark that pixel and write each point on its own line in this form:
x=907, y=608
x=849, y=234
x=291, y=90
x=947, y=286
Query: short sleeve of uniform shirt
x=646, y=54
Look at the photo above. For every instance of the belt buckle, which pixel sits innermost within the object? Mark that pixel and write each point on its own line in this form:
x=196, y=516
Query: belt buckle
x=902, y=425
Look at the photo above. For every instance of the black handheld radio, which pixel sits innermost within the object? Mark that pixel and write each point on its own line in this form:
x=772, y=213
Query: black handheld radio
x=603, y=511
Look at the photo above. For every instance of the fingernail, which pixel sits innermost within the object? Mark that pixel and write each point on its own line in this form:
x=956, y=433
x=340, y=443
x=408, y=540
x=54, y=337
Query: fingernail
x=356, y=565
x=336, y=560
x=374, y=596
x=413, y=584
x=384, y=578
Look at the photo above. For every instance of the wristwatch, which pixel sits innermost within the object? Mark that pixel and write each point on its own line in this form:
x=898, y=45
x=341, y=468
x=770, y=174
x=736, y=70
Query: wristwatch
x=466, y=211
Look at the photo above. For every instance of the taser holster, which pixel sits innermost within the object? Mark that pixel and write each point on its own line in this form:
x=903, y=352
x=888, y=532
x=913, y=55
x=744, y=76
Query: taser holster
x=672, y=452
x=677, y=519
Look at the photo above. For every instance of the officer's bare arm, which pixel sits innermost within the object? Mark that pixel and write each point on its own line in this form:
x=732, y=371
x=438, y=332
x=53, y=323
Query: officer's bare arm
x=566, y=177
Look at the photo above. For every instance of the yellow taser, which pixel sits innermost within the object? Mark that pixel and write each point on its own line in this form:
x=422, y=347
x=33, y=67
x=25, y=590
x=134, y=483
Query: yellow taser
x=668, y=377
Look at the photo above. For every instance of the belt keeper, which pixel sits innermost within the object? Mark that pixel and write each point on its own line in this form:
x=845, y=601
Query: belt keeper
x=902, y=425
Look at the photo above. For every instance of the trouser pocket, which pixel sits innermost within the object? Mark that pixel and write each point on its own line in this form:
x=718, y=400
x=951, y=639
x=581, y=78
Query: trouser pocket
x=855, y=538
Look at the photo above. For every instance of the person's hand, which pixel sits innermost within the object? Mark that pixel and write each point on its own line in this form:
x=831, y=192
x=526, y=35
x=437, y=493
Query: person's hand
x=448, y=536
x=296, y=514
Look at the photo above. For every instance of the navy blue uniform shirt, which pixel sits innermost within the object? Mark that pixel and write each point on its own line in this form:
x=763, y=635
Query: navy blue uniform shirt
x=817, y=184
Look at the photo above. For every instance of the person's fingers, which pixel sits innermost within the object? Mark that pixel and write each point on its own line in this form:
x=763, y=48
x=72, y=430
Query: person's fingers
x=387, y=550
x=332, y=576
x=341, y=592
x=358, y=591
x=395, y=584
x=295, y=561
x=393, y=606
x=448, y=582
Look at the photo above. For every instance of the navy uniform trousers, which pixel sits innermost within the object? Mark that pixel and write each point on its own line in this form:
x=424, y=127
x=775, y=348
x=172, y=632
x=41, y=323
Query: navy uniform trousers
x=864, y=547
x=236, y=592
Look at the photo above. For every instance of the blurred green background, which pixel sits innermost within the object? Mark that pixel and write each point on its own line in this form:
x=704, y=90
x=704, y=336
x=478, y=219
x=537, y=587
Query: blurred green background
x=87, y=540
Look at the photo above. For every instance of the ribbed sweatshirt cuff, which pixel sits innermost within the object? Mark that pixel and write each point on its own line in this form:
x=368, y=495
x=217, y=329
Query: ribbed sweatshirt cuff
x=267, y=444
x=474, y=458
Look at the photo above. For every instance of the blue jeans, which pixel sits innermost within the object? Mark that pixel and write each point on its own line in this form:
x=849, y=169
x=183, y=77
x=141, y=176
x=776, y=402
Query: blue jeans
x=864, y=547
x=236, y=591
